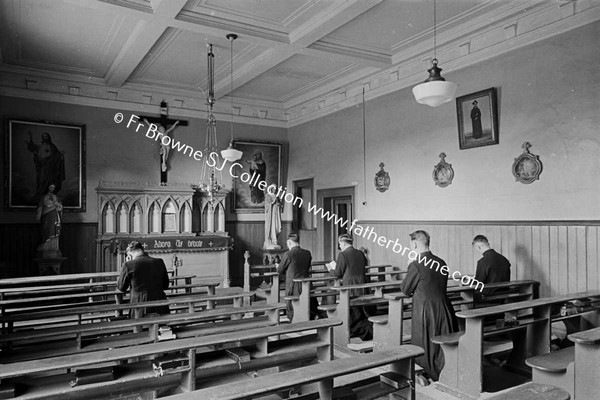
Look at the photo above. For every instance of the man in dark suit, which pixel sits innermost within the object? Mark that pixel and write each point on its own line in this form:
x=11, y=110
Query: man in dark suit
x=492, y=266
x=350, y=267
x=147, y=277
x=432, y=311
x=295, y=263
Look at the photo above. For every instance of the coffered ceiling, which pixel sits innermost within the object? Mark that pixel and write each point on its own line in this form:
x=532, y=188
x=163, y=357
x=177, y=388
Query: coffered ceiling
x=294, y=60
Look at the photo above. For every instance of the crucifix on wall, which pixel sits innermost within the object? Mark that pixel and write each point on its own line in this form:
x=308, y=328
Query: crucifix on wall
x=165, y=126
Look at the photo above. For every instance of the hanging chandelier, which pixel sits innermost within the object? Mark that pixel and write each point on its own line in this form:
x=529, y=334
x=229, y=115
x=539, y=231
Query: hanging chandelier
x=435, y=90
x=230, y=154
x=211, y=177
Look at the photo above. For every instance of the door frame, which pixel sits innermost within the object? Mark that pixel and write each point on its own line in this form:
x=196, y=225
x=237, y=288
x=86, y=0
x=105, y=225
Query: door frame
x=325, y=199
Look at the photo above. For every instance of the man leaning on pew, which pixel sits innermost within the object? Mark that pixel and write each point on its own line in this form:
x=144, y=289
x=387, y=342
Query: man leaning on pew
x=295, y=263
x=492, y=267
x=350, y=268
x=147, y=276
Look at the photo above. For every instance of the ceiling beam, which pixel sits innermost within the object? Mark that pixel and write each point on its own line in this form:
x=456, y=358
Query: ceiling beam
x=335, y=16
x=141, y=41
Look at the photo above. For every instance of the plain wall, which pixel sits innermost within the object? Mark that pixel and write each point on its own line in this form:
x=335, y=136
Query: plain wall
x=547, y=95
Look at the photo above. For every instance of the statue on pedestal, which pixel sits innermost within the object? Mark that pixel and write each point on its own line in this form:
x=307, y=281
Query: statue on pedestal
x=272, y=218
x=49, y=213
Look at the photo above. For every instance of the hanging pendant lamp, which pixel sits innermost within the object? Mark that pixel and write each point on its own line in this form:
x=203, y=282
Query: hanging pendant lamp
x=435, y=90
x=230, y=154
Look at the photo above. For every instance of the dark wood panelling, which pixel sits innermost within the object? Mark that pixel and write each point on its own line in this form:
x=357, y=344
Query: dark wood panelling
x=18, y=243
x=563, y=256
x=249, y=235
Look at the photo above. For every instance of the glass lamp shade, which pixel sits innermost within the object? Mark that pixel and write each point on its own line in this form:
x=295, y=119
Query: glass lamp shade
x=434, y=93
x=230, y=154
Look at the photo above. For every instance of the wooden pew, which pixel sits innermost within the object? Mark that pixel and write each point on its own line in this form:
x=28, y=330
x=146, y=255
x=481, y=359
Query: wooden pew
x=587, y=363
x=200, y=353
x=508, y=292
x=32, y=291
x=393, y=328
x=81, y=314
x=533, y=391
x=318, y=287
x=67, y=300
x=383, y=272
x=57, y=279
x=400, y=360
x=128, y=332
x=572, y=368
x=342, y=309
x=463, y=351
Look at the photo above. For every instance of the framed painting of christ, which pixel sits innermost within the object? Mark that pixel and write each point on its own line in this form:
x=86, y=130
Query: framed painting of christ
x=261, y=161
x=39, y=154
x=477, y=119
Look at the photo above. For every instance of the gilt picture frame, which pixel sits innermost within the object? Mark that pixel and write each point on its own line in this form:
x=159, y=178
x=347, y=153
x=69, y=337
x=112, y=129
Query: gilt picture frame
x=40, y=153
x=261, y=160
x=477, y=115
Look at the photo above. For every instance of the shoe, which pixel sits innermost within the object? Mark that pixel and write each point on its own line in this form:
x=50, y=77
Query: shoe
x=422, y=380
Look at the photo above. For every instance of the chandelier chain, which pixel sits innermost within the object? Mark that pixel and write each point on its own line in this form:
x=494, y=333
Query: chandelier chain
x=434, y=30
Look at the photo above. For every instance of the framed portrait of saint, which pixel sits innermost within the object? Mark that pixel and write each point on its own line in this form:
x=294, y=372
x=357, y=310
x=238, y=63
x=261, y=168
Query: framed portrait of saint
x=41, y=154
x=477, y=119
x=261, y=161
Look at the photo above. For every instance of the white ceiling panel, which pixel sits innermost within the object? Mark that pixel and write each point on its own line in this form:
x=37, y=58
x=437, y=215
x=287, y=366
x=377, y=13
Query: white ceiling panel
x=292, y=75
x=292, y=57
x=61, y=36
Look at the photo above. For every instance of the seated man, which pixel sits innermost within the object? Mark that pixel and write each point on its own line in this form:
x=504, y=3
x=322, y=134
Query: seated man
x=350, y=267
x=147, y=276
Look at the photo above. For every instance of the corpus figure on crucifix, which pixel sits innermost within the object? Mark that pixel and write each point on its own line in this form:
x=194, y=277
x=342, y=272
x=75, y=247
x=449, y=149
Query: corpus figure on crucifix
x=164, y=126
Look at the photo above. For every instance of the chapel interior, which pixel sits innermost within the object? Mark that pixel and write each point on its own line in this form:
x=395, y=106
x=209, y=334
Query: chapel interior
x=322, y=93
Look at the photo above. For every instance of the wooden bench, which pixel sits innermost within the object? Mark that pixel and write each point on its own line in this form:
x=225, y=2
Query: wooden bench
x=87, y=313
x=393, y=328
x=533, y=391
x=463, y=371
x=268, y=346
x=318, y=287
x=342, y=309
x=57, y=279
x=571, y=368
x=508, y=292
x=32, y=291
x=128, y=332
x=587, y=363
x=400, y=360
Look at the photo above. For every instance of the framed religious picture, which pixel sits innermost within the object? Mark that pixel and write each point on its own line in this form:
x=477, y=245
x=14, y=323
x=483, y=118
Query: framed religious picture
x=40, y=154
x=477, y=119
x=261, y=161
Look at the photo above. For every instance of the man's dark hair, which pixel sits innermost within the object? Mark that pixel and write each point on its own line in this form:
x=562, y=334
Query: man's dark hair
x=346, y=238
x=135, y=246
x=480, y=239
x=294, y=237
x=421, y=236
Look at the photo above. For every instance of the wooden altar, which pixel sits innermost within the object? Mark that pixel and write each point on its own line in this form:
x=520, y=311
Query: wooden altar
x=170, y=221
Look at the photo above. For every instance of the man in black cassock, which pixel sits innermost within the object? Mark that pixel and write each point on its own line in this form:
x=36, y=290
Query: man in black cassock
x=296, y=264
x=432, y=312
x=492, y=267
x=147, y=276
x=350, y=267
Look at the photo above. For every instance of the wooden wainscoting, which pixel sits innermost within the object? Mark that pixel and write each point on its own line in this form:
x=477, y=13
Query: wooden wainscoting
x=249, y=235
x=563, y=255
x=18, y=243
